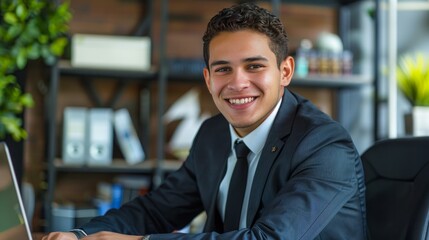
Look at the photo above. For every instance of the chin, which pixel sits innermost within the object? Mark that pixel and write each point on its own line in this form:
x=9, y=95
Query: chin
x=240, y=123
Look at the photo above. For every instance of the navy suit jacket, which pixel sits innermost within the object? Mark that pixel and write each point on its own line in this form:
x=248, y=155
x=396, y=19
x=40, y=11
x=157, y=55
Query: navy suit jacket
x=309, y=184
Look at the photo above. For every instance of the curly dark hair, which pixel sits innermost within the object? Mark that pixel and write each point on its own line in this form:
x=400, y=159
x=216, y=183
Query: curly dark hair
x=248, y=16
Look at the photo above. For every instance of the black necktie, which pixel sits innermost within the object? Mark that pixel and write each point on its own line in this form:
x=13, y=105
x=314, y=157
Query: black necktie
x=237, y=187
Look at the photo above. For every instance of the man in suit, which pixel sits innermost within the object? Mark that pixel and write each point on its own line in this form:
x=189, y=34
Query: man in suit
x=304, y=177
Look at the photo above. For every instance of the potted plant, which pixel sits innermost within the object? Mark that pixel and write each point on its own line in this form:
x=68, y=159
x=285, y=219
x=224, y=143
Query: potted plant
x=29, y=30
x=413, y=82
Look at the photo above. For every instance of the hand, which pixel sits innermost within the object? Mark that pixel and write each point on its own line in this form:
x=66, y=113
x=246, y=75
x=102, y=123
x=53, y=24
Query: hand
x=111, y=236
x=95, y=236
x=60, y=236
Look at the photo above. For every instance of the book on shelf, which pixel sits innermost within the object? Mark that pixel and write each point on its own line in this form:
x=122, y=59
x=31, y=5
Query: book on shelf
x=132, y=186
x=126, y=135
x=74, y=135
x=100, y=136
x=121, y=190
x=88, y=136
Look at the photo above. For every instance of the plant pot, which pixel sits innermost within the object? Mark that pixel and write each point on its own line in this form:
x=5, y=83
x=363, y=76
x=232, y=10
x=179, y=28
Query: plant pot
x=417, y=122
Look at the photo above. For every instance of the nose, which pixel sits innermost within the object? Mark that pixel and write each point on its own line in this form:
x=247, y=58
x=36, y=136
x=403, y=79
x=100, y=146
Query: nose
x=239, y=80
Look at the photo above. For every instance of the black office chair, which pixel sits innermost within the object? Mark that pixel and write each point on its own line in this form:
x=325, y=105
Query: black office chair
x=397, y=188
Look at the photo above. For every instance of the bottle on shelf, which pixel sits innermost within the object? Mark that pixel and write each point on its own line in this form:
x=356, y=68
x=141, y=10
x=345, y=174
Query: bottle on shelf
x=301, y=62
x=302, y=58
x=347, y=62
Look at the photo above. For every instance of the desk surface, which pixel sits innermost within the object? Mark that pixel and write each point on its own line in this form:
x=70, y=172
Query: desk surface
x=37, y=236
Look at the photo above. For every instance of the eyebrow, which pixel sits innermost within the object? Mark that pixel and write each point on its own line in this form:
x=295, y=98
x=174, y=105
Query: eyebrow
x=249, y=59
x=219, y=62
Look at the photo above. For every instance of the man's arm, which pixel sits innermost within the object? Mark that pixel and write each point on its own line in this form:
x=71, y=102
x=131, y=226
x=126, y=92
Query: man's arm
x=168, y=208
x=95, y=236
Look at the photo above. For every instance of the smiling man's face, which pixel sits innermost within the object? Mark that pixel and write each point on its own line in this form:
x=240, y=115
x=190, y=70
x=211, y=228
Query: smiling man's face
x=244, y=79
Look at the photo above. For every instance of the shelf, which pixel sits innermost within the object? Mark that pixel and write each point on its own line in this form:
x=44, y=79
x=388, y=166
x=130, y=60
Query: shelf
x=66, y=68
x=328, y=3
x=331, y=81
x=119, y=166
x=324, y=81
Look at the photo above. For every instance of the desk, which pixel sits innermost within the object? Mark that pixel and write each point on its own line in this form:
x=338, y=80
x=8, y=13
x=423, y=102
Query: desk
x=37, y=236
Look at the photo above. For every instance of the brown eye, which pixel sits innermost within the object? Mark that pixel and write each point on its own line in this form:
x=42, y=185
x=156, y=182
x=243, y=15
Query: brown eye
x=222, y=69
x=255, y=66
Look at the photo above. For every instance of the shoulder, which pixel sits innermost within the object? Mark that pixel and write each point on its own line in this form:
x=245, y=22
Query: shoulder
x=213, y=129
x=306, y=110
x=310, y=124
x=215, y=124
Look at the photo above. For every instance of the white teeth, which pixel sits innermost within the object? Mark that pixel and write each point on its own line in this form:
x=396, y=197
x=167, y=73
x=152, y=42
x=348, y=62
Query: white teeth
x=241, y=100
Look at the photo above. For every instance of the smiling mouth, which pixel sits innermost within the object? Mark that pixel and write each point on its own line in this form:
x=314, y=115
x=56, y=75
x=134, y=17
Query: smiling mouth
x=239, y=101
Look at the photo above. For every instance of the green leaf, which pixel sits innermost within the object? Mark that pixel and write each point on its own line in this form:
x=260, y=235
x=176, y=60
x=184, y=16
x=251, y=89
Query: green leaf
x=21, y=12
x=57, y=47
x=43, y=38
x=27, y=100
x=413, y=79
x=29, y=29
x=10, y=18
x=13, y=32
x=21, y=59
x=13, y=127
x=33, y=51
x=32, y=30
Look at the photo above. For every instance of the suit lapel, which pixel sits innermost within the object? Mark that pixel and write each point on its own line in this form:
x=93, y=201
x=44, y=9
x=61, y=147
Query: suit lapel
x=275, y=142
x=214, y=220
x=217, y=170
x=268, y=156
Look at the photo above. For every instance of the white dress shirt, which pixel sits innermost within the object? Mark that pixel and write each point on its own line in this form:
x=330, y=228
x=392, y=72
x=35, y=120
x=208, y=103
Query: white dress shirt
x=255, y=141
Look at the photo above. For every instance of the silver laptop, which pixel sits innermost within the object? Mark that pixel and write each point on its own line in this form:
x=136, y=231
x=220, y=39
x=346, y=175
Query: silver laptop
x=13, y=221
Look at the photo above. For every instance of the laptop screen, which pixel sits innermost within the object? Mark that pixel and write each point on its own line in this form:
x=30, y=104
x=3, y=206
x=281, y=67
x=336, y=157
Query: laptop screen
x=13, y=222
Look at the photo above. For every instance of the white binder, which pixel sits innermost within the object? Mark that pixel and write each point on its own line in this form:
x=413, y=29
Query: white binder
x=74, y=135
x=100, y=136
x=127, y=137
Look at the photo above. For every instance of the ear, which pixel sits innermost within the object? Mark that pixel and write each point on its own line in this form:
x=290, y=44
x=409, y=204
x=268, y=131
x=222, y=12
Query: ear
x=206, y=73
x=287, y=68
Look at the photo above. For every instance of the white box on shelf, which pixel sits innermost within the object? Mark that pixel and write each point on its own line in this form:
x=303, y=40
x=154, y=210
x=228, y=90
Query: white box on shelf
x=420, y=116
x=111, y=52
x=100, y=136
x=74, y=135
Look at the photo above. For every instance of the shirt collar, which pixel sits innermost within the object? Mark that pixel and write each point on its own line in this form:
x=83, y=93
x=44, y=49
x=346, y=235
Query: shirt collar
x=255, y=140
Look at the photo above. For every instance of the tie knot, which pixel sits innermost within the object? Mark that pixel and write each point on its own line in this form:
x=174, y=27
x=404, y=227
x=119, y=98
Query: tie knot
x=241, y=150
